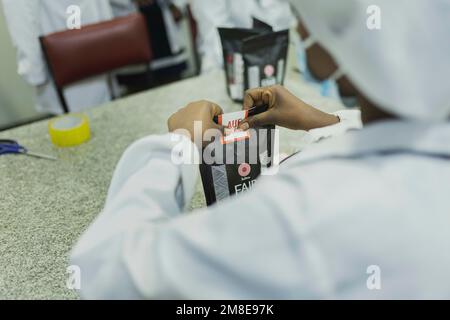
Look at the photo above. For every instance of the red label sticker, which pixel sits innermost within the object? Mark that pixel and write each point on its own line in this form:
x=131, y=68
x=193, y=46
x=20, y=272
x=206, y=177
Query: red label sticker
x=235, y=136
x=231, y=122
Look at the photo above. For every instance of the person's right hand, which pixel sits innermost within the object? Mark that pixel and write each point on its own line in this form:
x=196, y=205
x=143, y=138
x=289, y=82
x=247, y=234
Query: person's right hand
x=284, y=109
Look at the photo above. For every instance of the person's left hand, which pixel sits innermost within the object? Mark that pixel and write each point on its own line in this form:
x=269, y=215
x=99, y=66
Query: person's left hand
x=200, y=112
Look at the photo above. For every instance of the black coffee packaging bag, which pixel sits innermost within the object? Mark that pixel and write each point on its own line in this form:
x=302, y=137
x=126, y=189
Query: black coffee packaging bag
x=252, y=57
x=232, y=165
x=265, y=59
x=233, y=61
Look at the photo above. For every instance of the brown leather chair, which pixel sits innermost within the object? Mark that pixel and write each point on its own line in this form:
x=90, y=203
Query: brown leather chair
x=96, y=49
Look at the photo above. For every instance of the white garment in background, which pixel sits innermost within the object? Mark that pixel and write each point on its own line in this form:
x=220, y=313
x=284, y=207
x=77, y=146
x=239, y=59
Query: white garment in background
x=234, y=13
x=375, y=197
x=175, y=35
x=27, y=20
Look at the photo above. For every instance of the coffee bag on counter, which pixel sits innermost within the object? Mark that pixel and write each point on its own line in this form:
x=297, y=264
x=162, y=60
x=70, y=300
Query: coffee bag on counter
x=265, y=59
x=233, y=62
x=244, y=69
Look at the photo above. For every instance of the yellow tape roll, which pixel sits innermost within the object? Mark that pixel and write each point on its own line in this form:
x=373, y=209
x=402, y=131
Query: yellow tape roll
x=70, y=130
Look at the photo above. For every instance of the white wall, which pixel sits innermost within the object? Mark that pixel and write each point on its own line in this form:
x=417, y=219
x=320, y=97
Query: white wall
x=16, y=103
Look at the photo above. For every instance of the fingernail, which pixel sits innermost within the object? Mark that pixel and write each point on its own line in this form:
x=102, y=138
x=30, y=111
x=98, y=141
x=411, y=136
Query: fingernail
x=244, y=126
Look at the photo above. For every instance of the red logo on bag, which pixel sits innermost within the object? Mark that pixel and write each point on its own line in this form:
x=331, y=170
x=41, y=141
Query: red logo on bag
x=244, y=170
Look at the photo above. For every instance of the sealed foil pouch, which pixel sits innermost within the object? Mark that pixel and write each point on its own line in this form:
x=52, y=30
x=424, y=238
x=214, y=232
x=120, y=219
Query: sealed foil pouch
x=232, y=164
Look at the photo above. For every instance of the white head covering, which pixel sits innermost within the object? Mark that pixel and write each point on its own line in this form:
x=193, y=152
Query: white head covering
x=404, y=67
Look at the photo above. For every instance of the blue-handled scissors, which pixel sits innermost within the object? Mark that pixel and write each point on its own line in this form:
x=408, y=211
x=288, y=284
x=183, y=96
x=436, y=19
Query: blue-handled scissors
x=12, y=147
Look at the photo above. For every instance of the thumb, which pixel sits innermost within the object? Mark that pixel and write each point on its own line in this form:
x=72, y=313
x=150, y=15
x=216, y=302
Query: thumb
x=258, y=120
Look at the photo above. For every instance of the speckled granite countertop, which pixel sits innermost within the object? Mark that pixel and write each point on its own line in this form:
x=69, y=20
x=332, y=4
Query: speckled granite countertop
x=46, y=205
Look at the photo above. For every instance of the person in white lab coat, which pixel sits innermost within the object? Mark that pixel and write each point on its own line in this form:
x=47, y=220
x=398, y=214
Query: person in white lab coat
x=363, y=214
x=210, y=15
x=166, y=37
x=27, y=20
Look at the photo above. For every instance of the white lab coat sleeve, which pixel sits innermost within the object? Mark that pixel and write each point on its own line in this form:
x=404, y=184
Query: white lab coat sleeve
x=349, y=120
x=141, y=247
x=148, y=186
x=24, y=27
x=209, y=16
x=172, y=27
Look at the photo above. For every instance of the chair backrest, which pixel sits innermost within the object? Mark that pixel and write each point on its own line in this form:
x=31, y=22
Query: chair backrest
x=95, y=49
